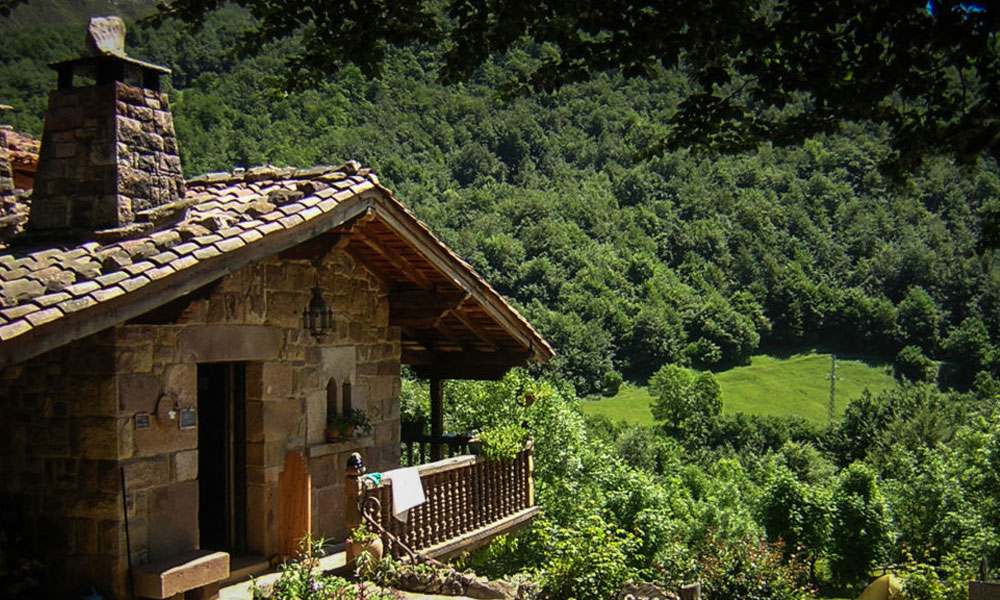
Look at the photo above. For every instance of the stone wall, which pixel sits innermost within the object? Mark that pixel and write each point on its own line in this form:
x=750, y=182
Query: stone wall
x=108, y=152
x=59, y=447
x=68, y=419
x=255, y=316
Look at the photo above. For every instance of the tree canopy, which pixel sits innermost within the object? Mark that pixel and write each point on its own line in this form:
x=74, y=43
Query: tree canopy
x=775, y=70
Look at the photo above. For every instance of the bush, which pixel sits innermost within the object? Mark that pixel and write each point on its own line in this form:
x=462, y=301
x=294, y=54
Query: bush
x=860, y=526
x=589, y=562
x=913, y=365
x=749, y=569
x=503, y=442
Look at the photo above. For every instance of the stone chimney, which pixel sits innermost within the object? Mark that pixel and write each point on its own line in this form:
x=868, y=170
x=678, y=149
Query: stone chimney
x=109, y=157
x=6, y=172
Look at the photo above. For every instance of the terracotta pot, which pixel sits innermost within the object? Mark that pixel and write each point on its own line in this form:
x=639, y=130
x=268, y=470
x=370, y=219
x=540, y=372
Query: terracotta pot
x=375, y=547
x=333, y=435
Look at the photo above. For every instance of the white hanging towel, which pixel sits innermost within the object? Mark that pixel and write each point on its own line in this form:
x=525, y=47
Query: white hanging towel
x=407, y=491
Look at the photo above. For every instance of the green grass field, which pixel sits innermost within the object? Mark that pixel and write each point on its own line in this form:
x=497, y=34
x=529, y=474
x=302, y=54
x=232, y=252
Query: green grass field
x=797, y=386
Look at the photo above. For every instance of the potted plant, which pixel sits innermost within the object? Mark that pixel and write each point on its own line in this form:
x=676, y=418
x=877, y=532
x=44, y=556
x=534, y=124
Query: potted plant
x=358, y=423
x=361, y=540
x=347, y=426
x=334, y=425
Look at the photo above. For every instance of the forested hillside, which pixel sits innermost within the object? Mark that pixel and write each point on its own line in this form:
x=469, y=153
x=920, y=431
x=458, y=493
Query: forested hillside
x=624, y=261
x=628, y=260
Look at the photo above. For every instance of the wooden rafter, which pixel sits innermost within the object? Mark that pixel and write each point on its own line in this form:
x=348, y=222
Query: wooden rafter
x=422, y=309
x=474, y=327
x=400, y=262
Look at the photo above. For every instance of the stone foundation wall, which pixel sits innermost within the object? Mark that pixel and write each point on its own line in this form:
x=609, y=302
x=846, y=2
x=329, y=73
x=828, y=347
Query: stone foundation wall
x=60, y=487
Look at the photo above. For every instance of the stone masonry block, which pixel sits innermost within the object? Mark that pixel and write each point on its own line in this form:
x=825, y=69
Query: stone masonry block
x=255, y=421
x=185, y=465
x=386, y=432
x=85, y=536
x=112, y=537
x=137, y=392
x=146, y=473
x=327, y=470
x=328, y=513
x=284, y=309
x=181, y=380
x=163, y=436
x=134, y=359
x=277, y=378
x=173, y=519
x=229, y=342
x=94, y=437
x=262, y=507
x=316, y=418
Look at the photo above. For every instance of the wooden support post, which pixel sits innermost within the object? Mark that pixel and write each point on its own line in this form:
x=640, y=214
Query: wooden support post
x=437, y=417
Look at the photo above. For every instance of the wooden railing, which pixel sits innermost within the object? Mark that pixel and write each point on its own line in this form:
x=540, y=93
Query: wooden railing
x=469, y=501
x=417, y=449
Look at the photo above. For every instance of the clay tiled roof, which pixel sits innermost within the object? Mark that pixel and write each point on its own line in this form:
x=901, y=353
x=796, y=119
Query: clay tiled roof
x=51, y=294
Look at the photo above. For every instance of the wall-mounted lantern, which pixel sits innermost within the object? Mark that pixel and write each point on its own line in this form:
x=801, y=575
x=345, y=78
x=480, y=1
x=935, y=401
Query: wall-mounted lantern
x=317, y=317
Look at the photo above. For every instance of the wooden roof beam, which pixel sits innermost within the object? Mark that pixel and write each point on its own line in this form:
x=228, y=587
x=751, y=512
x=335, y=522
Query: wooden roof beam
x=404, y=266
x=474, y=327
x=463, y=365
x=422, y=309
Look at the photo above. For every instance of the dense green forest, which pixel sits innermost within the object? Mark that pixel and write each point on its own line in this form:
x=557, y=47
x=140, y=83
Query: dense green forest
x=628, y=261
x=624, y=262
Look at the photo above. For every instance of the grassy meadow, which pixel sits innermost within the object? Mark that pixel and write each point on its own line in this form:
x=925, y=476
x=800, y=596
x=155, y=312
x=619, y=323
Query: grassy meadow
x=797, y=385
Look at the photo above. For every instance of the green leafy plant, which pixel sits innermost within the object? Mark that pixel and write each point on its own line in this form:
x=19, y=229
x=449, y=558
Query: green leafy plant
x=502, y=442
x=301, y=579
x=358, y=419
x=352, y=424
x=361, y=535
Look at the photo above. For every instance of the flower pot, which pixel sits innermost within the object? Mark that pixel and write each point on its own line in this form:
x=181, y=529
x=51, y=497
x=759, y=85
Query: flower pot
x=375, y=547
x=333, y=435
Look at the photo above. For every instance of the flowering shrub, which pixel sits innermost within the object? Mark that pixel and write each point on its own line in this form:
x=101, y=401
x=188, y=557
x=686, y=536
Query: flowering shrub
x=750, y=569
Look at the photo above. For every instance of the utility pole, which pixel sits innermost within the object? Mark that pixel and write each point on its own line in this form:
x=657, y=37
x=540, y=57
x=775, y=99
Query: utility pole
x=832, y=409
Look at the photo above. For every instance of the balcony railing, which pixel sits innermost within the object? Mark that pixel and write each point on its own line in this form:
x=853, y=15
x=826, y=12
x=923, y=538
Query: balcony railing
x=418, y=448
x=469, y=500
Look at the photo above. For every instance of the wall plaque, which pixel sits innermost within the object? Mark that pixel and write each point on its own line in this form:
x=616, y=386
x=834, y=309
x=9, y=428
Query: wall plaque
x=188, y=418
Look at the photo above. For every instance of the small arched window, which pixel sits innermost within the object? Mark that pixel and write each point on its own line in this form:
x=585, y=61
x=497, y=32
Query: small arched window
x=331, y=398
x=347, y=398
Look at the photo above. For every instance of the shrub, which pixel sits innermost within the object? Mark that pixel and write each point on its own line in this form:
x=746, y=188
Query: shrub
x=503, y=442
x=750, y=569
x=585, y=563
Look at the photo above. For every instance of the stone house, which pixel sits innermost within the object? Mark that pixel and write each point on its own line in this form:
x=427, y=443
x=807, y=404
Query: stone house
x=165, y=344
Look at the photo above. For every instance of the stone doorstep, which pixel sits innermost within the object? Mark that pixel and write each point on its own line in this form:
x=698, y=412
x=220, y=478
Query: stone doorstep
x=181, y=573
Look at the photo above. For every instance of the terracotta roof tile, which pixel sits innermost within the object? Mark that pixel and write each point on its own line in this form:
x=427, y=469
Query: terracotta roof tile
x=14, y=329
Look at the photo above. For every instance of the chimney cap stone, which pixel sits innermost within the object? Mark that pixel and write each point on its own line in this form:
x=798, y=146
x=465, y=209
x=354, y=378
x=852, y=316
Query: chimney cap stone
x=105, y=59
x=106, y=35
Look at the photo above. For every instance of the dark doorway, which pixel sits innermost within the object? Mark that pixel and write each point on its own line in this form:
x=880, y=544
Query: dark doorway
x=222, y=472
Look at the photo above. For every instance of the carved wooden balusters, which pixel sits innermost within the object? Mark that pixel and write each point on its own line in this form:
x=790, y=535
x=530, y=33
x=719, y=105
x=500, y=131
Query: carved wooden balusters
x=462, y=497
